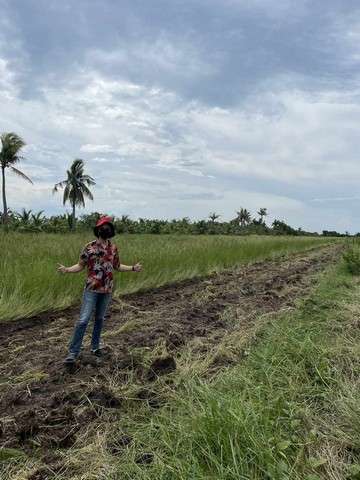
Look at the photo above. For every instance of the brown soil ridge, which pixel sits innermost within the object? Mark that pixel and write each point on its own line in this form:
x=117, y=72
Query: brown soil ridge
x=45, y=405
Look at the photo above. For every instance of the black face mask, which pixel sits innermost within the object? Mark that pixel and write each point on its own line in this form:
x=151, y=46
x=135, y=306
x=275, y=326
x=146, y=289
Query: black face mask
x=105, y=232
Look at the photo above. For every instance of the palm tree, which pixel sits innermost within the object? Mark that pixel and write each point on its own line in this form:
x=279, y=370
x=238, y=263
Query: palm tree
x=75, y=187
x=125, y=218
x=213, y=217
x=262, y=213
x=25, y=216
x=11, y=144
x=38, y=219
x=243, y=216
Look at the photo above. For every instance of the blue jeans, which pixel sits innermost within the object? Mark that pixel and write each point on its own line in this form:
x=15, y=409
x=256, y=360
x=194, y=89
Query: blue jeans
x=91, y=301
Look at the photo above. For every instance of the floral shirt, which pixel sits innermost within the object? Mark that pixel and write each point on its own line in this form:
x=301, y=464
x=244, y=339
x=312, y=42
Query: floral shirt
x=101, y=260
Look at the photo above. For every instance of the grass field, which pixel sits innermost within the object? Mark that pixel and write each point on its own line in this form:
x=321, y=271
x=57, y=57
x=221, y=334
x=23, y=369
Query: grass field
x=29, y=283
x=264, y=383
x=290, y=411
x=265, y=388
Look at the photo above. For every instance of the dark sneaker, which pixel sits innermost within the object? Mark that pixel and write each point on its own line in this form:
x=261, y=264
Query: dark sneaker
x=70, y=359
x=98, y=352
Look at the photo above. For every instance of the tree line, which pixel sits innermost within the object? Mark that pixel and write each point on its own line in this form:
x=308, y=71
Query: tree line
x=242, y=224
x=76, y=189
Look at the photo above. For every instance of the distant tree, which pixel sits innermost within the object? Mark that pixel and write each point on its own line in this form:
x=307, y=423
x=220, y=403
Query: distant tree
x=125, y=218
x=200, y=227
x=123, y=225
x=243, y=217
x=331, y=233
x=37, y=218
x=56, y=223
x=246, y=216
x=88, y=220
x=262, y=213
x=11, y=144
x=75, y=188
x=281, y=228
x=213, y=217
x=24, y=217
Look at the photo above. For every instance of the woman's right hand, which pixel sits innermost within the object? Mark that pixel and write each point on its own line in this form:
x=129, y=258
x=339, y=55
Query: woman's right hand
x=62, y=269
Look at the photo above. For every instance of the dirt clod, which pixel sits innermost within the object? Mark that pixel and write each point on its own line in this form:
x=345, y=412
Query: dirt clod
x=161, y=366
x=104, y=398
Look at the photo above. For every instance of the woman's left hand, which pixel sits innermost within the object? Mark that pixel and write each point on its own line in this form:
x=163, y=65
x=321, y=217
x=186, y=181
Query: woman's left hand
x=137, y=267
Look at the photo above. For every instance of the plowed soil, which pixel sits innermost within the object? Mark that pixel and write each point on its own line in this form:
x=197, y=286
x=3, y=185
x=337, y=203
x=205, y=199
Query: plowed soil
x=43, y=404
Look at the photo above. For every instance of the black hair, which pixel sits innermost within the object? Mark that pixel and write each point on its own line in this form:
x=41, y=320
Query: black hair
x=96, y=230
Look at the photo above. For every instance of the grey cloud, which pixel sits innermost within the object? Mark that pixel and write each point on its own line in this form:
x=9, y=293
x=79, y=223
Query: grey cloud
x=200, y=196
x=216, y=52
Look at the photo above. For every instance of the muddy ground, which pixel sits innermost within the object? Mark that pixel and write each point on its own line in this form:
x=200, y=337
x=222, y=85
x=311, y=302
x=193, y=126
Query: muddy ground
x=43, y=404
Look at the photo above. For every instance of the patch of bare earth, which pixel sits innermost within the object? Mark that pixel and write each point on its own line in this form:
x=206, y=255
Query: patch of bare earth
x=43, y=404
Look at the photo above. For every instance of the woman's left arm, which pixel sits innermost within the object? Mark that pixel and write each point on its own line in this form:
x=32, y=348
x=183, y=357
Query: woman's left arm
x=130, y=268
x=120, y=267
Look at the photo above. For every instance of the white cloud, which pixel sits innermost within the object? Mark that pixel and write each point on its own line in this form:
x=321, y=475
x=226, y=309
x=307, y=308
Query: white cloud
x=8, y=87
x=328, y=200
x=312, y=139
x=90, y=148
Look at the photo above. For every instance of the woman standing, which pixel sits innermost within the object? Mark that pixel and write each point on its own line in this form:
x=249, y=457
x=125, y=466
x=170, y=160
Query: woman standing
x=101, y=257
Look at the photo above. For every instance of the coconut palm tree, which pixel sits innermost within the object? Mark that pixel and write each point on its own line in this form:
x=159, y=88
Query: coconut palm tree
x=262, y=213
x=125, y=218
x=213, y=217
x=243, y=216
x=75, y=187
x=11, y=144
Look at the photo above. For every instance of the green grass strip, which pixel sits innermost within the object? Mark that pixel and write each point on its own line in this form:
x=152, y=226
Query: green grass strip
x=29, y=283
x=291, y=410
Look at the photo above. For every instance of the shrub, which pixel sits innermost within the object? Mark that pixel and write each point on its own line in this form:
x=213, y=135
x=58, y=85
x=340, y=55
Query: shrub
x=352, y=260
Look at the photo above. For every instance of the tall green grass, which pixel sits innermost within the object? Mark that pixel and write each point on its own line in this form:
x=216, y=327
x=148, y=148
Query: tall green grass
x=291, y=411
x=29, y=282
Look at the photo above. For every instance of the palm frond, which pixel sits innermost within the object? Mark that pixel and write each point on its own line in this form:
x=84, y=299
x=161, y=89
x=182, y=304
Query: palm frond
x=87, y=192
x=59, y=185
x=38, y=215
x=79, y=200
x=21, y=174
x=77, y=167
x=88, y=180
x=67, y=194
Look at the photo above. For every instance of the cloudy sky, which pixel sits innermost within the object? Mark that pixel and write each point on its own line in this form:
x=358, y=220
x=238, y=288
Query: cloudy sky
x=181, y=108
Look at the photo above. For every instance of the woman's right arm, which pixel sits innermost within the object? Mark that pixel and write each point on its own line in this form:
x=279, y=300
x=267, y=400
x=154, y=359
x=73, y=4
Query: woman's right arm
x=83, y=260
x=74, y=269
